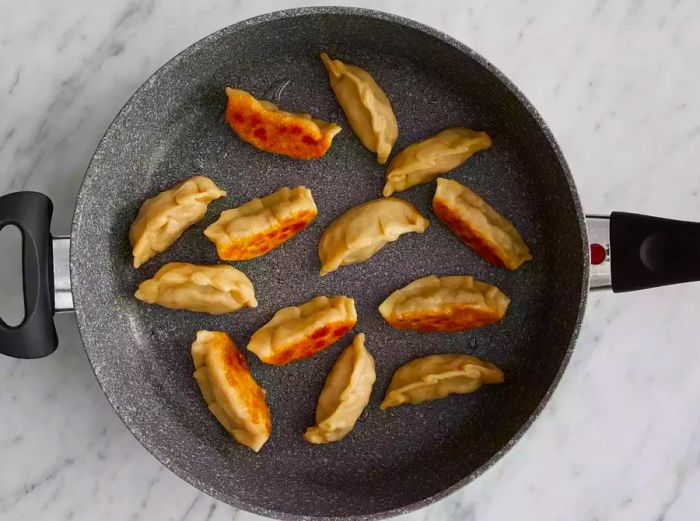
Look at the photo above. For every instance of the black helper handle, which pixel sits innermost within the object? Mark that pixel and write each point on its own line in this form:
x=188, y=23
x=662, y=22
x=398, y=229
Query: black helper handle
x=647, y=251
x=35, y=336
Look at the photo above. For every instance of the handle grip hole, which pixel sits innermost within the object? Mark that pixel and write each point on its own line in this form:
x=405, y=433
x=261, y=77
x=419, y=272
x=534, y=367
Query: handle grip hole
x=11, y=295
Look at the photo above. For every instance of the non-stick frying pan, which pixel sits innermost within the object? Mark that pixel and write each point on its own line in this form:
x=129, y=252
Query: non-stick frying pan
x=393, y=461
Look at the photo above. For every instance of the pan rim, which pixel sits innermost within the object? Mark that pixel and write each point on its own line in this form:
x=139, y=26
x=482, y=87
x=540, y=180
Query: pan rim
x=83, y=325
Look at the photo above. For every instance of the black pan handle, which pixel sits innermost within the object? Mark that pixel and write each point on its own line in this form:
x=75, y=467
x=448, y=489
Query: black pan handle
x=630, y=251
x=36, y=336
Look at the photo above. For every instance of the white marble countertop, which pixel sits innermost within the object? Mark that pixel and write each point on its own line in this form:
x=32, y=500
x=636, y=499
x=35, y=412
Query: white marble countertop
x=618, y=81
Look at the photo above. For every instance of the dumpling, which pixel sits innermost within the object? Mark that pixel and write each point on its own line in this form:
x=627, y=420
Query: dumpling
x=261, y=225
x=163, y=218
x=365, y=229
x=437, y=376
x=479, y=226
x=298, y=332
x=424, y=161
x=215, y=289
x=231, y=393
x=365, y=105
x=454, y=303
x=268, y=128
x=345, y=394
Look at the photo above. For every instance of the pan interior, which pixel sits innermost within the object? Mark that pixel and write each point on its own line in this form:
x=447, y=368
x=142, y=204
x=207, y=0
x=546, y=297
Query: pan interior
x=174, y=128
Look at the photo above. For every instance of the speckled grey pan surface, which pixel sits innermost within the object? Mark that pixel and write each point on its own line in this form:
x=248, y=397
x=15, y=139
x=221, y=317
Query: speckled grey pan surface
x=393, y=461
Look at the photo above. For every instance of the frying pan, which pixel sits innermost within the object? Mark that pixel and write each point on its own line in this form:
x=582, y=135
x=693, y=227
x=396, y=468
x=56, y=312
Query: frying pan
x=393, y=461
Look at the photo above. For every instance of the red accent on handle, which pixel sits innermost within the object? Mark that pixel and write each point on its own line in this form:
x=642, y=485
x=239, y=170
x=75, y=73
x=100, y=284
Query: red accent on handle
x=597, y=254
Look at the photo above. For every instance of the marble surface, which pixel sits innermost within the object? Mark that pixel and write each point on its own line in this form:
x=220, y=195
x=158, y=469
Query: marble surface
x=618, y=82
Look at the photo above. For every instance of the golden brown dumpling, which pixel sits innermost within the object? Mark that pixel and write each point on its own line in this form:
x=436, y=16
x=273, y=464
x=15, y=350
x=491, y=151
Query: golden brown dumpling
x=479, y=226
x=365, y=105
x=298, y=332
x=163, y=219
x=454, y=303
x=268, y=128
x=365, y=229
x=437, y=376
x=231, y=393
x=215, y=289
x=345, y=394
x=260, y=225
x=424, y=161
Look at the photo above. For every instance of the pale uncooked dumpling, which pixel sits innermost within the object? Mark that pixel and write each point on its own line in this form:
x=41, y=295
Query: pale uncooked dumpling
x=163, y=219
x=345, y=394
x=424, y=161
x=260, y=225
x=479, y=226
x=214, y=289
x=455, y=303
x=231, y=393
x=298, y=332
x=365, y=105
x=437, y=376
x=365, y=229
x=268, y=128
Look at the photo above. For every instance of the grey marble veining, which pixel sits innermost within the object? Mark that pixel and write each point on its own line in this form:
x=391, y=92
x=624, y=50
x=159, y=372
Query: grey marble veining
x=618, y=83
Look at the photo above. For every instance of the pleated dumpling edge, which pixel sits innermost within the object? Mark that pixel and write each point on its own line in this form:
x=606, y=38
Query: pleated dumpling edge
x=479, y=225
x=444, y=304
x=366, y=106
x=229, y=390
x=423, y=161
x=301, y=331
x=215, y=289
x=345, y=394
x=365, y=229
x=437, y=376
x=162, y=219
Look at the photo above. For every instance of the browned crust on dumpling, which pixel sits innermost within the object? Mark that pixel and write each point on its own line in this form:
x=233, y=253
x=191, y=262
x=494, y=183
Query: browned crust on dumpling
x=450, y=303
x=261, y=243
x=469, y=235
x=318, y=340
x=277, y=131
x=478, y=225
x=450, y=319
x=238, y=377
